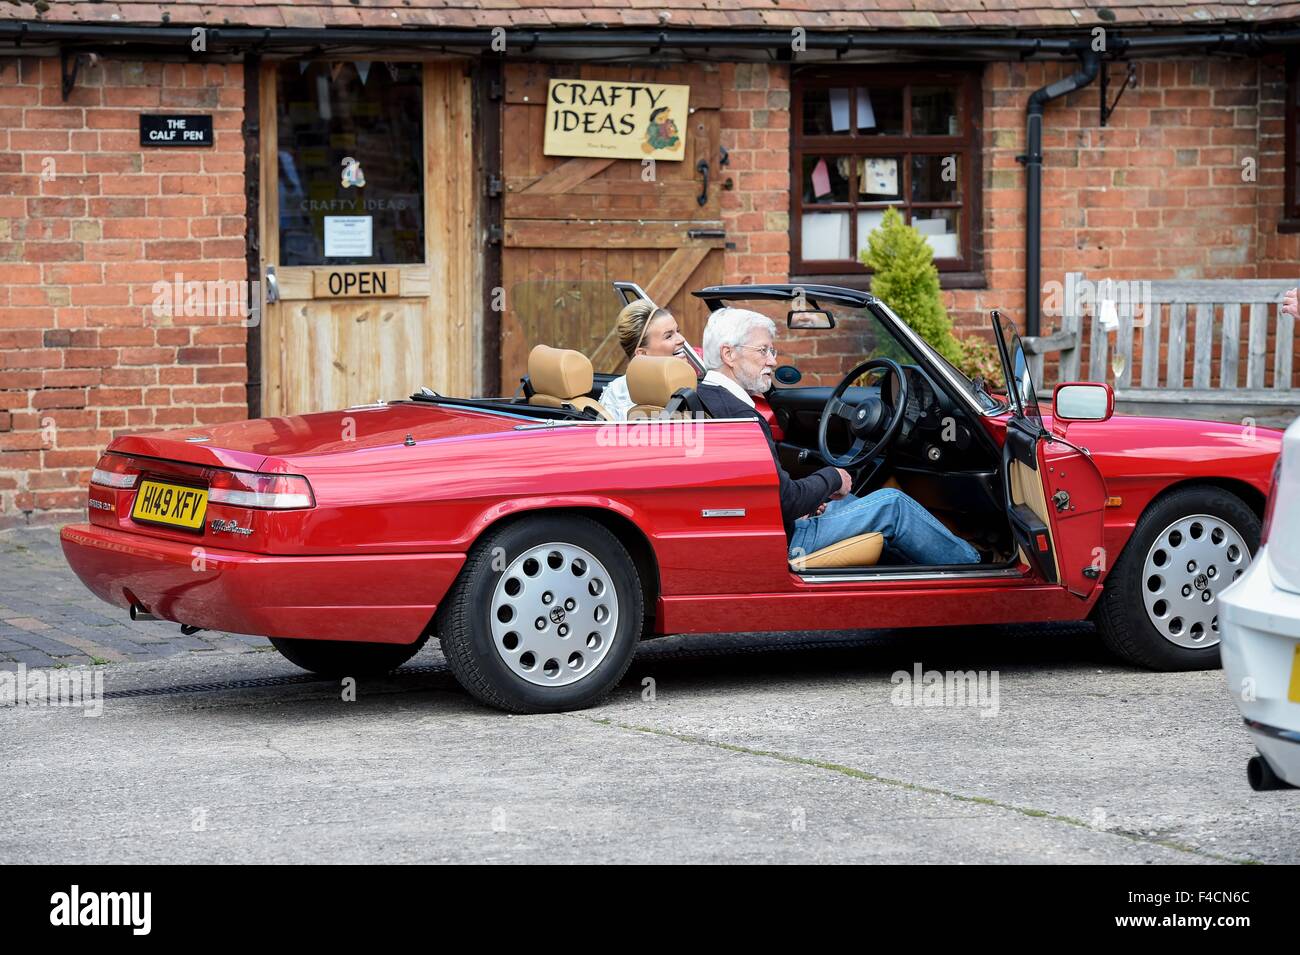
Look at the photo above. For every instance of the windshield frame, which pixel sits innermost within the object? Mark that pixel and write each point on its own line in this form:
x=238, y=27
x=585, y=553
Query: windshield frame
x=955, y=376
x=920, y=349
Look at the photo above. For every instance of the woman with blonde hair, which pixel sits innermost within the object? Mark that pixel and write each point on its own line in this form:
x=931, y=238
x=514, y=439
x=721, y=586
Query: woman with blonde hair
x=643, y=329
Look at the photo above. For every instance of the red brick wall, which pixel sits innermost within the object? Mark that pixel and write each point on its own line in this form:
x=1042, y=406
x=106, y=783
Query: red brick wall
x=89, y=221
x=1156, y=193
x=756, y=133
x=1278, y=254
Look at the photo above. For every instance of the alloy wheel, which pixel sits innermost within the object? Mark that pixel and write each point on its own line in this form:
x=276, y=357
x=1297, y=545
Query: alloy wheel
x=1190, y=563
x=554, y=614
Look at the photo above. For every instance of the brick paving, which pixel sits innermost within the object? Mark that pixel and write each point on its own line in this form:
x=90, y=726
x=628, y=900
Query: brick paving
x=48, y=618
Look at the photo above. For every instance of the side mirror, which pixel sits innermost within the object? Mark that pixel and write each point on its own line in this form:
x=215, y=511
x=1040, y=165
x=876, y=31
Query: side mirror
x=810, y=318
x=788, y=375
x=1083, y=401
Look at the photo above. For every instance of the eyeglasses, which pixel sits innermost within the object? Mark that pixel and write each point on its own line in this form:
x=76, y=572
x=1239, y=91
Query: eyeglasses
x=767, y=350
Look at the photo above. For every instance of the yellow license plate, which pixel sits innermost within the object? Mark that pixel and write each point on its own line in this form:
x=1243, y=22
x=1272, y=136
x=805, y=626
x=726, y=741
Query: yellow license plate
x=1293, y=692
x=170, y=504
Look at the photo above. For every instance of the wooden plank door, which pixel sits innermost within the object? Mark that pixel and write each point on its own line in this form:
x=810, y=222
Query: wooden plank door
x=342, y=335
x=573, y=226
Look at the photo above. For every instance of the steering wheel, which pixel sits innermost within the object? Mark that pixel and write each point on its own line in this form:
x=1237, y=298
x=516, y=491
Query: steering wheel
x=867, y=418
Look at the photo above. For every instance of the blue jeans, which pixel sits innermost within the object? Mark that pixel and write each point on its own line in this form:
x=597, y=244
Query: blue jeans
x=912, y=534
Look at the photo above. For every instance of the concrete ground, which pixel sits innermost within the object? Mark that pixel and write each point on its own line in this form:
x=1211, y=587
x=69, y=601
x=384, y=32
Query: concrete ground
x=744, y=748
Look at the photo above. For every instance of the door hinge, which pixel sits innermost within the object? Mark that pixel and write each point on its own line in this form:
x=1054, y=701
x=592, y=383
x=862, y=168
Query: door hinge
x=495, y=235
x=493, y=186
x=1092, y=573
x=495, y=90
x=1061, y=499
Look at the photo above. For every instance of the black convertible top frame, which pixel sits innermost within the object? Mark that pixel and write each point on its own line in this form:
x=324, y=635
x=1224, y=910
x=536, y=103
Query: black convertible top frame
x=716, y=295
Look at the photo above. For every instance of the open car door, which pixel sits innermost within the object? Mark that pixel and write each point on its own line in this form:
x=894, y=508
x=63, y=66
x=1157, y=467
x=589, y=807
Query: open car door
x=1056, y=496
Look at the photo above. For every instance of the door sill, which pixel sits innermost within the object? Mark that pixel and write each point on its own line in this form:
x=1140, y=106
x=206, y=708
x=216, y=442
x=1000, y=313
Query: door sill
x=850, y=575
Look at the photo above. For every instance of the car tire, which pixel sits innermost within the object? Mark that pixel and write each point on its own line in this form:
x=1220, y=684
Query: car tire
x=544, y=617
x=342, y=658
x=1143, y=614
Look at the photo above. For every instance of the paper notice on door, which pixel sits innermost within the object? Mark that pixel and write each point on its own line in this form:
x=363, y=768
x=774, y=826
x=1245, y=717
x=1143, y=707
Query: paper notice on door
x=348, y=237
x=880, y=177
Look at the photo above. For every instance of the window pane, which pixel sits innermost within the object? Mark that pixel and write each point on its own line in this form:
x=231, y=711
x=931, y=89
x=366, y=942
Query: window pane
x=868, y=222
x=826, y=178
x=826, y=112
x=825, y=235
x=939, y=226
x=879, y=110
x=880, y=178
x=934, y=111
x=935, y=178
x=350, y=155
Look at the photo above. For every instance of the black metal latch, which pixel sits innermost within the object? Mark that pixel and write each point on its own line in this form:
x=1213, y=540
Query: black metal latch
x=1092, y=573
x=1061, y=499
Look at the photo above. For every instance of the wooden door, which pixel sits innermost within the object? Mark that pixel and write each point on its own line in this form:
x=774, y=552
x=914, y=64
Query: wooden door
x=355, y=333
x=573, y=226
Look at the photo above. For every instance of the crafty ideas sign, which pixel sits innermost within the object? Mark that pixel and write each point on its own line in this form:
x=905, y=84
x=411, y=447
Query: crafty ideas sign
x=616, y=120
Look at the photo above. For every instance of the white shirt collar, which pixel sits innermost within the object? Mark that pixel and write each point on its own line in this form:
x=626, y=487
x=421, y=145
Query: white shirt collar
x=715, y=377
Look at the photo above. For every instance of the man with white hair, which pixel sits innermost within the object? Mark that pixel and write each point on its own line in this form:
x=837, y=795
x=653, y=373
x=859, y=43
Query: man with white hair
x=818, y=510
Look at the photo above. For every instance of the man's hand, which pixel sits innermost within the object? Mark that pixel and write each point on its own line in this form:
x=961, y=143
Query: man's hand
x=1290, y=305
x=821, y=509
x=846, y=485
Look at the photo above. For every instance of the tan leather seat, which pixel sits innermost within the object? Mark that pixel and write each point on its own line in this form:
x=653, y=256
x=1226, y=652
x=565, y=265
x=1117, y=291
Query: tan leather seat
x=862, y=550
x=652, y=380
x=560, y=377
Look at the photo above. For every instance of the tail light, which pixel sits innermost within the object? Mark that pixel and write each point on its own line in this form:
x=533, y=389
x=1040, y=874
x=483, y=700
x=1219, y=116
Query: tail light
x=233, y=488
x=114, y=470
x=273, y=491
x=1271, y=505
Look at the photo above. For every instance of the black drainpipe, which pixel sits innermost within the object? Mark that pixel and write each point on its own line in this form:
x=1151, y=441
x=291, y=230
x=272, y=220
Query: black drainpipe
x=1033, y=160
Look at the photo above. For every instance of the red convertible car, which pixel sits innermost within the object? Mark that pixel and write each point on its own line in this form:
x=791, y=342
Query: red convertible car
x=540, y=541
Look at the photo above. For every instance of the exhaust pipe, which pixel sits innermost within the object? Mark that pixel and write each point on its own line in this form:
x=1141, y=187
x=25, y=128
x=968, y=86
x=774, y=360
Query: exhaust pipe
x=1261, y=777
x=138, y=612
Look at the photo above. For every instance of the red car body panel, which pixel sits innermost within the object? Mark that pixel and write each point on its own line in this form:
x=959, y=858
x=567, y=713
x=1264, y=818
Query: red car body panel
x=1142, y=457
x=388, y=596
x=402, y=492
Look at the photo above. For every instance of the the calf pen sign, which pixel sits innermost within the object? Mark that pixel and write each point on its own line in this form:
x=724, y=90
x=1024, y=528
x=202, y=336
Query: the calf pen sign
x=612, y=120
x=170, y=130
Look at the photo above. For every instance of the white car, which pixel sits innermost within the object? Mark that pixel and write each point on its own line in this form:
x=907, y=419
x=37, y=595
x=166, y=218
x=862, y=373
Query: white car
x=1261, y=631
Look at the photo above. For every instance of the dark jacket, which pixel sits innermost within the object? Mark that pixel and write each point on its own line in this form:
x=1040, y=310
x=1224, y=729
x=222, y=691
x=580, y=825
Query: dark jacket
x=799, y=497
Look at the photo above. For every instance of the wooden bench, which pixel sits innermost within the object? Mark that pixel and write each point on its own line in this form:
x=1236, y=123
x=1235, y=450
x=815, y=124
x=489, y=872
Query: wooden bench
x=1161, y=325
